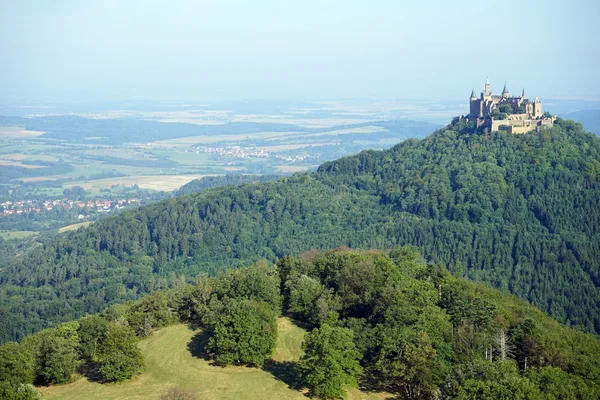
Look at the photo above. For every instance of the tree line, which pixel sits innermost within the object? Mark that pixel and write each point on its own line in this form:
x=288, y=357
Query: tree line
x=379, y=321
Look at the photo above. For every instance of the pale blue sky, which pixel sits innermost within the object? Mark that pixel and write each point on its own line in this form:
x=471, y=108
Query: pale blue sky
x=225, y=49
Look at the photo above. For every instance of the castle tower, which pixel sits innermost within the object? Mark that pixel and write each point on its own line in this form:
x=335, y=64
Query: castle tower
x=505, y=93
x=537, y=108
x=523, y=94
x=474, y=105
x=486, y=95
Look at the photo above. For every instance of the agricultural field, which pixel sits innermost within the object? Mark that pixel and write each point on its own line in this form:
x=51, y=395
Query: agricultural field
x=173, y=360
x=17, y=133
x=165, y=183
x=113, y=153
x=16, y=234
x=11, y=163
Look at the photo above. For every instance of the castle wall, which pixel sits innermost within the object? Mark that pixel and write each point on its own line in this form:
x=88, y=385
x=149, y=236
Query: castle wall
x=528, y=125
x=521, y=129
x=519, y=126
x=502, y=126
x=519, y=117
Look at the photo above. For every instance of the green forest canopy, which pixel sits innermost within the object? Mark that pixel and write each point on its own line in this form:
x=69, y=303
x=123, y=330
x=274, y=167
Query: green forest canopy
x=386, y=322
x=518, y=212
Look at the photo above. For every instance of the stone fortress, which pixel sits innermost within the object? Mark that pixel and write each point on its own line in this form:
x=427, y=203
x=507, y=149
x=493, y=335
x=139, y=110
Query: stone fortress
x=513, y=114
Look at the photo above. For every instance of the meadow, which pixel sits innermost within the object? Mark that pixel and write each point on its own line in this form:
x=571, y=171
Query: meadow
x=73, y=227
x=173, y=360
x=16, y=234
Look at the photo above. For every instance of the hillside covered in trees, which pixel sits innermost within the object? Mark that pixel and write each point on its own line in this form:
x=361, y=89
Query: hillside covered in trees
x=518, y=212
x=383, y=322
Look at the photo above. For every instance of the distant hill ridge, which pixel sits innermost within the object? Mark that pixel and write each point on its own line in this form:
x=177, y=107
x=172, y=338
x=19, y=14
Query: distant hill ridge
x=589, y=118
x=518, y=212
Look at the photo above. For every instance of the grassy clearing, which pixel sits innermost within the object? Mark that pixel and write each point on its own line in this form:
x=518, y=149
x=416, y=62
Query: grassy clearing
x=169, y=363
x=73, y=227
x=289, y=339
x=17, y=234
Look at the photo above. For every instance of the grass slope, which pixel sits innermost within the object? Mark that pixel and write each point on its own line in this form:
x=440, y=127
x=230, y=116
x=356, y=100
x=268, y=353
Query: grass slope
x=73, y=227
x=169, y=363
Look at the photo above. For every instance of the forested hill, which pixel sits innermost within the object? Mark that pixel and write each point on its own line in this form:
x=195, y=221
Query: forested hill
x=384, y=322
x=518, y=212
x=209, y=182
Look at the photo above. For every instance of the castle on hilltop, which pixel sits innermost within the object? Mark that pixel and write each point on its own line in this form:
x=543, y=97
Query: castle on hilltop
x=513, y=114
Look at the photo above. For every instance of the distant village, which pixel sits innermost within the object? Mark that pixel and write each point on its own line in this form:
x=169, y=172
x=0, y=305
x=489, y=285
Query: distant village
x=32, y=206
x=245, y=152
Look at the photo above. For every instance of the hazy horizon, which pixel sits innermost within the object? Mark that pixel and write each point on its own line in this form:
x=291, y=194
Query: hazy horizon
x=225, y=50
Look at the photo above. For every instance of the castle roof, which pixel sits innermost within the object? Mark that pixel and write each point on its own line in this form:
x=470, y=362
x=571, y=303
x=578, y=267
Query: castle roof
x=505, y=90
x=473, y=94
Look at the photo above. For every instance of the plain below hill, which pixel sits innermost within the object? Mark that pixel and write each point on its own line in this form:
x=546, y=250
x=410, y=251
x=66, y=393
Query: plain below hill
x=518, y=212
x=76, y=129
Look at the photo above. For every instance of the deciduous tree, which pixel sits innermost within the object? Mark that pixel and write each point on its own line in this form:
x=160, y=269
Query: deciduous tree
x=245, y=333
x=331, y=362
x=119, y=356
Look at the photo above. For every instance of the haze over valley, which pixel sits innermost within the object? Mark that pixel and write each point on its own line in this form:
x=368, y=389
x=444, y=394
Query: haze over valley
x=270, y=199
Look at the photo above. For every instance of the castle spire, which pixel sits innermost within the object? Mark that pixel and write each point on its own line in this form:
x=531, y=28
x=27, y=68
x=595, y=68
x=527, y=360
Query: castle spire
x=523, y=93
x=505, y=92
x=473, y=97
